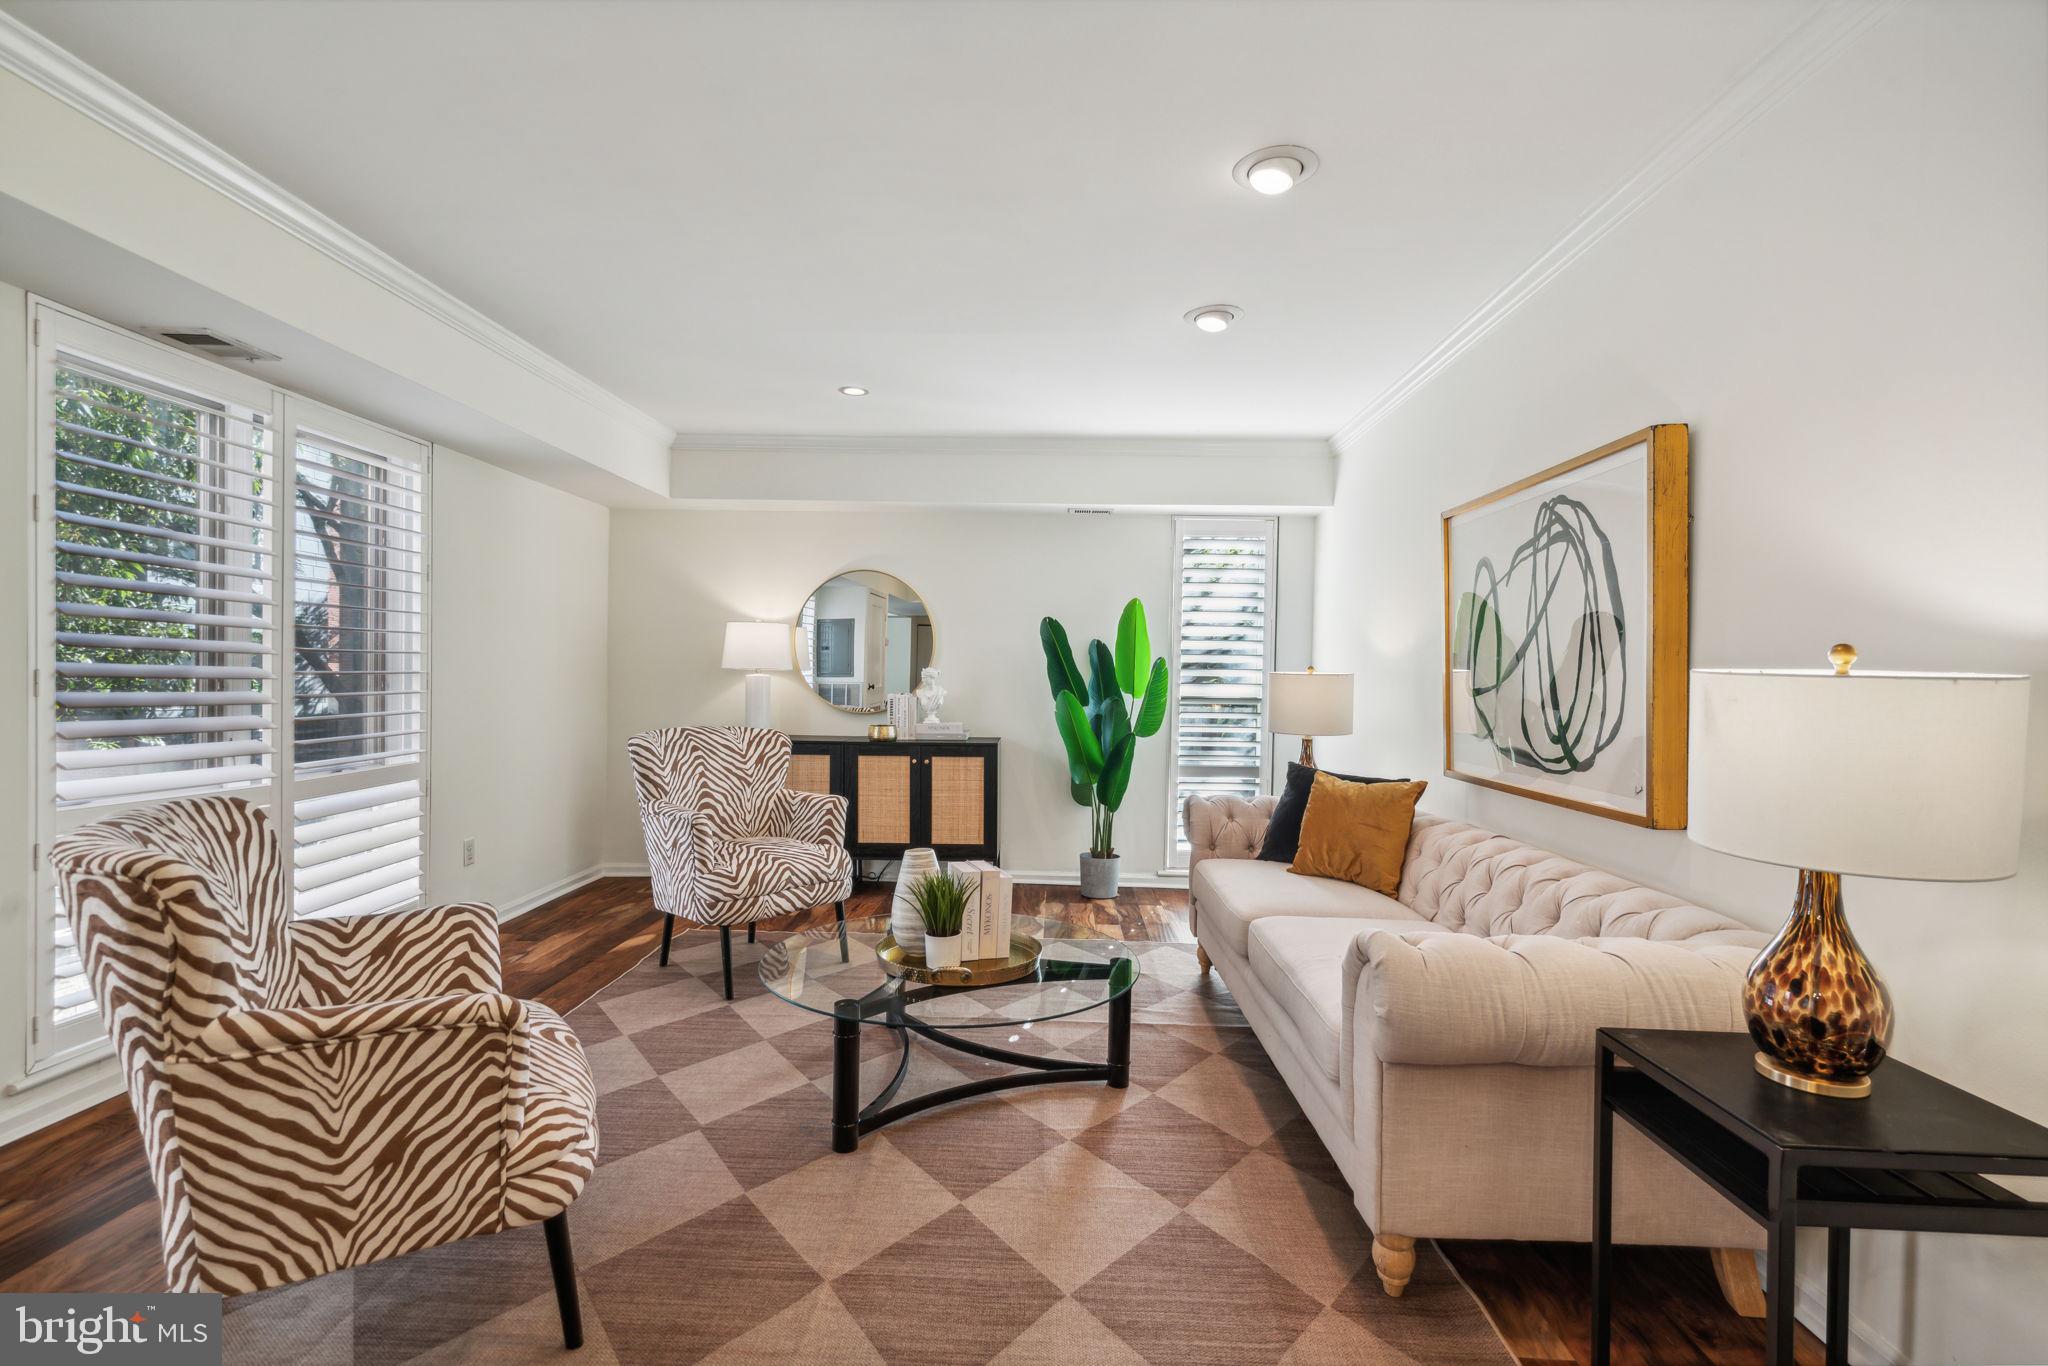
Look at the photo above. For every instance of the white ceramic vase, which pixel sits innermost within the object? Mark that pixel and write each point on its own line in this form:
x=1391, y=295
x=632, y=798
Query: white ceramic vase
x=905, y=926
x=942, y=950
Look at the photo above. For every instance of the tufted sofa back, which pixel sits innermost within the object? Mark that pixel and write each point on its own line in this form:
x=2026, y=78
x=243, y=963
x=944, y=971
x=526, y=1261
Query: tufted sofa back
x=1469, y=879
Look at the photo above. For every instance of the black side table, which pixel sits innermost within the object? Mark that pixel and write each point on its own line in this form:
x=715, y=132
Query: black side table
x=1909, y=1156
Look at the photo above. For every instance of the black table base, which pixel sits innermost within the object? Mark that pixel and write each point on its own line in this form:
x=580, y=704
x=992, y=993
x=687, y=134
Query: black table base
x=851, y=1119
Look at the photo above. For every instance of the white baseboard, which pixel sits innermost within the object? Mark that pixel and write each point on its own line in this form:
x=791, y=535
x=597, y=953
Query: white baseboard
x=1864, y=1344
x=623, y=870
x=541, y=896
x=42, y=1105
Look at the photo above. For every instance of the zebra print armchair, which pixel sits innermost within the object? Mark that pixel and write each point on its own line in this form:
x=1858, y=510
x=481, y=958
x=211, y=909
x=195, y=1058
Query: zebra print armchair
x=728, y=841
x=318, y=1094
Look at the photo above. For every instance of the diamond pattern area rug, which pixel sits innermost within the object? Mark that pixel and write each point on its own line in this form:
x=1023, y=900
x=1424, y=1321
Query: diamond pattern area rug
x=1192, y=1220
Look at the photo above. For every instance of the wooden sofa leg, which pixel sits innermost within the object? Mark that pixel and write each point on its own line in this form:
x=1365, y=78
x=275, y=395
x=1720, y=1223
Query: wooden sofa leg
x=1735, y=1269
x=1393, y=1256
x=1202, y=958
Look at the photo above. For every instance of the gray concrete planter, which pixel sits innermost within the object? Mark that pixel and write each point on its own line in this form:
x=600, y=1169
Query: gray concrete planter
x=1098, y=877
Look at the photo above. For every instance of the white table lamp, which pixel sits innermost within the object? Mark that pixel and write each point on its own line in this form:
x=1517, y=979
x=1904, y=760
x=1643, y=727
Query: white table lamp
x=1892, y=775
x=1309, y=704
x=758, y=647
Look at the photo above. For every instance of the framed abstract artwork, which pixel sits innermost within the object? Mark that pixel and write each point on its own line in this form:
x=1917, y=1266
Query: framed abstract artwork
x=1565, y=632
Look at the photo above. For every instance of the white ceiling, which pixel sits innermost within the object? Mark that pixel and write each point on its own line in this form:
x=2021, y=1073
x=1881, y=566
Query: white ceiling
x=991, y=214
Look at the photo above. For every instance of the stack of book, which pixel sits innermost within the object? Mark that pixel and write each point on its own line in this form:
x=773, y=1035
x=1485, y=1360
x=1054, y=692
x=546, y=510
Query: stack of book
x=941, y=730
x=903, y=714
x=985, y=932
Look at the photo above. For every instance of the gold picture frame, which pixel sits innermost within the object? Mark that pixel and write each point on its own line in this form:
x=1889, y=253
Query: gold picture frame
x=1575, y=695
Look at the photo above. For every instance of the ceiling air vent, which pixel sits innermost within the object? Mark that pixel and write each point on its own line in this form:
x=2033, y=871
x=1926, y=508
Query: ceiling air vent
x=208, y=342
x=1090, y=512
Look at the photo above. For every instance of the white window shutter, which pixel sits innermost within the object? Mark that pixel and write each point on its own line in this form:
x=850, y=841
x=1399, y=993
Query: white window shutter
x=159, y=667
x=163, y=550
x=1223, y=648
x=234, y=595
x=358, y=499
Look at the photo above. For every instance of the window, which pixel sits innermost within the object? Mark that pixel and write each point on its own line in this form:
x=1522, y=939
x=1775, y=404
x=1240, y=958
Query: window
x=180, y=629
x=359, y=509
x=1222, y=651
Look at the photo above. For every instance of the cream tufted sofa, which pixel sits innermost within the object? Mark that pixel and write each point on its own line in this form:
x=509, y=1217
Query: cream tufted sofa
x=1441, y=1040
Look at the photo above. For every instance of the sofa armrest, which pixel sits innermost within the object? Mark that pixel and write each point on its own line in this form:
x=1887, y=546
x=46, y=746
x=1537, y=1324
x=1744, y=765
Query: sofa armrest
x=1535, y=999
x=1226, y=827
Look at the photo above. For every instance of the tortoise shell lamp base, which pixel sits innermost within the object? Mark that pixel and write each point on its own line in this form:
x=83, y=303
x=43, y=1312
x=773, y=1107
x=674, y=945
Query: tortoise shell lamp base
x=1819, y=1013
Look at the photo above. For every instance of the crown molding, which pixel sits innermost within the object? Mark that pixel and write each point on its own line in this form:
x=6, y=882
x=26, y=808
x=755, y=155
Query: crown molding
x=58, y=73
x=993, y=446
x=1809, y=46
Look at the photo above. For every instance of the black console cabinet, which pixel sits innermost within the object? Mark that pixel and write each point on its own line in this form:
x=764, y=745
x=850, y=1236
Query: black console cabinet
x=907, y=794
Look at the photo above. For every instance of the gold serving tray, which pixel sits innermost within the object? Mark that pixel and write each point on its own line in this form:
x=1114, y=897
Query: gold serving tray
x=975, y=972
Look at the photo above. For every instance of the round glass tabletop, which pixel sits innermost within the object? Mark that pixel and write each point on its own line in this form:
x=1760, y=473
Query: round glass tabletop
x=1078, y=970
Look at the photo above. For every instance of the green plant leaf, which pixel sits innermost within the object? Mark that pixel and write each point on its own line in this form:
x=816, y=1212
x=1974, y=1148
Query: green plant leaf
x=1133, y=648
x=1107, y=714
x=1084, y=752
x=1116, y=772
x=941, y=899
x=1060, y=669
x=1152, y=706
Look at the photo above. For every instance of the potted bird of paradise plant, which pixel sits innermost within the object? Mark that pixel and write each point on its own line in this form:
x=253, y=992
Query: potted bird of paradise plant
x=1101, y=718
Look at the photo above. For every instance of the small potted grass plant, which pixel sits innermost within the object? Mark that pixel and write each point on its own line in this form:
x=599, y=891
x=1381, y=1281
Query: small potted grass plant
x=940, y=900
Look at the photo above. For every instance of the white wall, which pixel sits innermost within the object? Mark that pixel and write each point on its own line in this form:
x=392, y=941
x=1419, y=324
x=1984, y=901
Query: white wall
x=1849, y=303
x=986, y=577
x=519, y=676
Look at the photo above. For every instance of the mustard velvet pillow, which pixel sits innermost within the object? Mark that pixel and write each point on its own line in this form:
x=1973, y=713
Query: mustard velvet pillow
x=1357, y=831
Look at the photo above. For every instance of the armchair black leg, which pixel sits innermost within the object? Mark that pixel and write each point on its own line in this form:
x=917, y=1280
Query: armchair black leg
x=839, y=914
x=750, y=931
x=725, y=950
x=563, y=1263
x=668, y=930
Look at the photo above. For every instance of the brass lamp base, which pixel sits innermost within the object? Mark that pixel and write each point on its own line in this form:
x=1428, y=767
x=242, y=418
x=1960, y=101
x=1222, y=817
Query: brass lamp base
x=1849, y=1089
x=1308, y=751
x=1818, y=1012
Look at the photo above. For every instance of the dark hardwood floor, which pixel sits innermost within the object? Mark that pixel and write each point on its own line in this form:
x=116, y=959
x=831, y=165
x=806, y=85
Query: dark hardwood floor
x=77, y=1211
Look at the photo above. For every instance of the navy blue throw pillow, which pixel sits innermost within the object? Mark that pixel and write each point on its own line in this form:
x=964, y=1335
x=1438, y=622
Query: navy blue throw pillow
x=1283, y=832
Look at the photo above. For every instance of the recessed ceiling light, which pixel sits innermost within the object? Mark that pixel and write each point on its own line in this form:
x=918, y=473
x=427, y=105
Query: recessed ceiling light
x=852, y=390
x=1214, y=317
x=1275, y=170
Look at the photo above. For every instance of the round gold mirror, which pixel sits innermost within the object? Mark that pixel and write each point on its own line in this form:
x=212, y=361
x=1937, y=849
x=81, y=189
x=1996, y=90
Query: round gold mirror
x=863, y=635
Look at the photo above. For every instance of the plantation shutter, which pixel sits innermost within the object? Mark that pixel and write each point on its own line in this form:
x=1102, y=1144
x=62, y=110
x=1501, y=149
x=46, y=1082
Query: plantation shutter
x=184, y=512
x=359, y=699
x=165, y=668
x=159, y=668
x=1223, y=648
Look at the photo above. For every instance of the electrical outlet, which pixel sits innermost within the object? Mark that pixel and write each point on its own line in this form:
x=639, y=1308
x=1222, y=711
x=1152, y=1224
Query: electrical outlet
x=468, y=852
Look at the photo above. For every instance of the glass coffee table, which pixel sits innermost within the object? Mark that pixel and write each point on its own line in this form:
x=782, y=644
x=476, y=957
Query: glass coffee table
x=837, y=972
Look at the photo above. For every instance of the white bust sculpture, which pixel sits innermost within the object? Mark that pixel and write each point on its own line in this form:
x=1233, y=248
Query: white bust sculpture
x=931, y=694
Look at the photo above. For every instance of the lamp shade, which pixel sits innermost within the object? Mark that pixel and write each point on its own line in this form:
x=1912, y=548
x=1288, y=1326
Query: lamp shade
x=1872, y=774
x=756, y=646
x=1309, y=703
